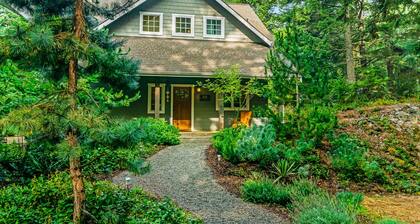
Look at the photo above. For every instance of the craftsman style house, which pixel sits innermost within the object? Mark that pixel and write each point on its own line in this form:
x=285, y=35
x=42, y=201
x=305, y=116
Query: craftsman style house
x=180, y=42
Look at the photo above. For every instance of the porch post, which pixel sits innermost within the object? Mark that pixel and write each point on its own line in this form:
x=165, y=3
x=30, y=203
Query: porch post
x=221, y=112
x=157, y=101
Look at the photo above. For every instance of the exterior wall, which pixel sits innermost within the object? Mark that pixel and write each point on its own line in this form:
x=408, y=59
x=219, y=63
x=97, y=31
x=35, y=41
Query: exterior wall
x=205, y=114
x=129, y=25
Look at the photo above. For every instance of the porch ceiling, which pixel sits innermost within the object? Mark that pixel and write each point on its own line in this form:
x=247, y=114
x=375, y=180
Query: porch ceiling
x=180, y=57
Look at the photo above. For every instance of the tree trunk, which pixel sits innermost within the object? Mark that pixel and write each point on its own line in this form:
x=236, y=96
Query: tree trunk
x=75, y=172
x=362, y=34
x=221, y=112
x=351, y=75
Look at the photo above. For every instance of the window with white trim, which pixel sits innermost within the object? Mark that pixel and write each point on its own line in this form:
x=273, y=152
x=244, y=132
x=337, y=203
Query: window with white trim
x=151, y=98
x=182, y=25
x=151, y=23
x=213, y=27
x=241, y=103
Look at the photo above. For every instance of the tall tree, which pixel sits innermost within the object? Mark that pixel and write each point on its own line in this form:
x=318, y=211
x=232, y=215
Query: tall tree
x=351, y=74
x=75, y=172
x=60, y=43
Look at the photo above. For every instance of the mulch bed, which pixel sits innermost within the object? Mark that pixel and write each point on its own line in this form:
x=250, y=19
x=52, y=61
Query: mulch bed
x=231, y=178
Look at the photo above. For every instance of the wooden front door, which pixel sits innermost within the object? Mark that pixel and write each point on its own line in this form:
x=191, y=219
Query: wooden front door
x=182, y=108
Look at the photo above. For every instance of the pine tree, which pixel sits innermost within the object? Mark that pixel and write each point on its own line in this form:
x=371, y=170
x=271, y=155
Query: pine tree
x=60, y=43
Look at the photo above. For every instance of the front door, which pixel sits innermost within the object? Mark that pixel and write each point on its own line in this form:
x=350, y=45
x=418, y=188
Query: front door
x=182, y=108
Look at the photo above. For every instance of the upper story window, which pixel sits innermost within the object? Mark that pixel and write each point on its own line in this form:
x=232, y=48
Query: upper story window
x=151, y=23
x=213, y=27
x=182, y=25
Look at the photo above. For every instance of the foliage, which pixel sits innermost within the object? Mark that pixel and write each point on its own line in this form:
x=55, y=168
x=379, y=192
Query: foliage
x=282, y=170
x=318, y=122
x=225, y=141
x=264, y=191
x=50, y=200
x=122, y=133
x=104, y=160
x=257, y=145
x=19, y=88
x=349, y=158
x=302, y=188
x=230, y=84
x=353, y=201
x=323, y=210
x=106, y=148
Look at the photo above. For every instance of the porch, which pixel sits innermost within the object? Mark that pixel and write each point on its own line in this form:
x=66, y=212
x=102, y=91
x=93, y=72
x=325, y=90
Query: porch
x=183, y=104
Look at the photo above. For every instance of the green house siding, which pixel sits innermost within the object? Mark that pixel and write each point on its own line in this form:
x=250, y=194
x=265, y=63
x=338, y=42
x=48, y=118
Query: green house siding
x=129, y=24
x=205, y=114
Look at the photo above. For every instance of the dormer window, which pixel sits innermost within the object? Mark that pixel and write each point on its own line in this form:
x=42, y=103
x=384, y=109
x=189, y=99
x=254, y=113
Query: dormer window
x=213, y=27
x=151, y=23
x=182, y=25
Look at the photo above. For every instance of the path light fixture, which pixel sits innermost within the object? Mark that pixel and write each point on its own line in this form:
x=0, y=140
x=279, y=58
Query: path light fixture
x=128, y=182
x=219, y=157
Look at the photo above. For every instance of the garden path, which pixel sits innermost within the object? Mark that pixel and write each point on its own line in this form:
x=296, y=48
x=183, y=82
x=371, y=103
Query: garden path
x=182, y=174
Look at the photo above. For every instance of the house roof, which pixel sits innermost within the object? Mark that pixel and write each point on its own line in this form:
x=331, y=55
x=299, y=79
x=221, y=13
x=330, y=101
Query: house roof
x=246, y=12
x=195, y=58
x=242, y=12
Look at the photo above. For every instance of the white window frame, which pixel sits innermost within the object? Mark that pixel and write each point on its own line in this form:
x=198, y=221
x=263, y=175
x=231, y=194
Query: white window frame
x=151, y=110
x=160, y=33
x=174, y=33
x=222, y=19
x=232, y=108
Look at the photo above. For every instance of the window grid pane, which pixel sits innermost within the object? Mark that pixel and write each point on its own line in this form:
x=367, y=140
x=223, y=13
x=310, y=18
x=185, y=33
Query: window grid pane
x=214, y=27
x=151, y=23
x=183, y=25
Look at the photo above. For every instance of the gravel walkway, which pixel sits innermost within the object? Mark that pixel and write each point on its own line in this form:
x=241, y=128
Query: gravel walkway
x=181, y=173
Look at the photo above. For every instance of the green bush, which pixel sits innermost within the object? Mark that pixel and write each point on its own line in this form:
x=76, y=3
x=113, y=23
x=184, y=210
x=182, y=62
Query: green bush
x=374, y=172
x=322, y=209
x=257, y=145
x=264, y=191
x=225, y=142
x=122, y=133
x=302, y=188
x=348, y=157
x=104, y=160
x=319, y=121
x=353, y=201
x=50, y=201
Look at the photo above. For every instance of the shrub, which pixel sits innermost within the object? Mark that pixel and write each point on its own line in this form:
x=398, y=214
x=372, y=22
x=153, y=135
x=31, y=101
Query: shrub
x=50, y=201
x=348, y=157
x=104, y=160
x=225, y=142
x=322, y=209
x=129, y=133
x=374, y=172
x=283, y=169
x=302, y=188
x=318, y=122
x=264, y=191
x=257, y=145
x=353, y=201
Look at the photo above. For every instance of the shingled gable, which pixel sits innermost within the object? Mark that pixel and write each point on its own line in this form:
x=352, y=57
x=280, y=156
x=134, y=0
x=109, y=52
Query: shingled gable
x=241, y=12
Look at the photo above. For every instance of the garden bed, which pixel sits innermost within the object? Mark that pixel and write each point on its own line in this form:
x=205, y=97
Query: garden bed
x=231, y=177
